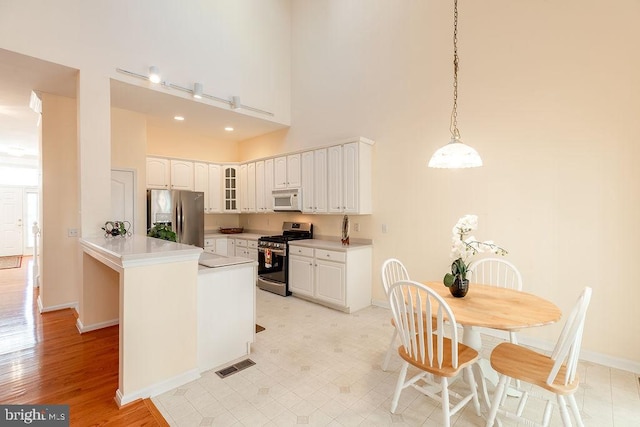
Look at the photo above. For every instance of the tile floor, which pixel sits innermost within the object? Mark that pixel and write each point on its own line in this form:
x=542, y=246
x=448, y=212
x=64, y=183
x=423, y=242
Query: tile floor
x=317, y=366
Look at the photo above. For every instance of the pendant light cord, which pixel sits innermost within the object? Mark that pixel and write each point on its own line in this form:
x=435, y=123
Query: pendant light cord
x=454, y=114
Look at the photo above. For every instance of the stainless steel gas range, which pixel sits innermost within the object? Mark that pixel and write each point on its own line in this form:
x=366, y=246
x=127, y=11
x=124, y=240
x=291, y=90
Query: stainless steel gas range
x=273, y=252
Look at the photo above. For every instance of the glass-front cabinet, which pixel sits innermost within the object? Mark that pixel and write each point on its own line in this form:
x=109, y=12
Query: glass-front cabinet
x=230, y=188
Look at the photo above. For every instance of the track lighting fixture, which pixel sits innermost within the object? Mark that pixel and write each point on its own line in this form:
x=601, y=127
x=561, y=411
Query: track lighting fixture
x=154, y=74
x=235, y=102
x=197, y=90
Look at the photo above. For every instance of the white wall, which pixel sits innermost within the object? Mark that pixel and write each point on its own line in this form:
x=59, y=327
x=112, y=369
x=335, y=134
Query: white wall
x=548, y=96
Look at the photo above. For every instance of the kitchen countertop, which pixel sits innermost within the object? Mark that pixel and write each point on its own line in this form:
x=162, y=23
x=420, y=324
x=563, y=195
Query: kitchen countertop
x=209, y=261
x=332, y=245
x=248, y=236
x=137, y=250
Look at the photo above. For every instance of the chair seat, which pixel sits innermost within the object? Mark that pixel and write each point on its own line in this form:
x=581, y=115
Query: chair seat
x=466, y=356
x=530, y=366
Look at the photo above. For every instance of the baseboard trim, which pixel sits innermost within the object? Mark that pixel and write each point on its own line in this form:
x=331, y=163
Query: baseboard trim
x=158, y=388
x=88, y=328
x=43, y=309
x=586, y=355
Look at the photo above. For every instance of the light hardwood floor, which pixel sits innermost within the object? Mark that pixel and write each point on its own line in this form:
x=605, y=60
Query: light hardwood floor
x=44, y=360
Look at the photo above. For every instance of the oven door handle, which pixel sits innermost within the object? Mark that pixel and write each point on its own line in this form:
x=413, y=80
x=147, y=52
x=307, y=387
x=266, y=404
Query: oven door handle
x=274, y=251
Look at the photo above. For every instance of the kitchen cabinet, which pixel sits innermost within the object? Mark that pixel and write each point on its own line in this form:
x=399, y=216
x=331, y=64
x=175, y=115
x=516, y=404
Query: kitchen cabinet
x=243, y=185
x=230, y=189
x=330, y=281
x=334, y=179
x=251, y=187
x=158, y=173
x=181, y=175
x=246, y=248
x=307, y=182
x=350, y=177
x=201, y=181
x=287, y=173
x=215, y=189
x=314, y=181
x=339, y=279
x=320, y=181
x=264, y=185
x=301, y=272
x=216, y=245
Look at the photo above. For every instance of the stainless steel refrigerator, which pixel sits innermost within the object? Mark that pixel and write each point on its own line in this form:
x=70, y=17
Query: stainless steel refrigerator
x=182, y=210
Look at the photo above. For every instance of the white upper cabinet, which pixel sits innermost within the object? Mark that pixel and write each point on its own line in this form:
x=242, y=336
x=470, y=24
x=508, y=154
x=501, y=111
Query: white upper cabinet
x=280, y=173
x=181, y=175
x=264, y=185
x=307, y=182
x=287, y=172
x=247, y=177
x=230, y=189
x=294, y=172
x=215, y=189
x=269, y=171
x=242, y=180
x=358, y=174
x=334, y=179
x=201, y=181
x=261, y=202
x=320, y=181
x=349, y=177
x=250, y=198
x=158, y=173
x=314, y=181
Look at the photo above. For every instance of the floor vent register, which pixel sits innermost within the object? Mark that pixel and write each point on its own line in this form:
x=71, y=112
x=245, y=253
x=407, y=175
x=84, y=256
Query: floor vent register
x=230, y=370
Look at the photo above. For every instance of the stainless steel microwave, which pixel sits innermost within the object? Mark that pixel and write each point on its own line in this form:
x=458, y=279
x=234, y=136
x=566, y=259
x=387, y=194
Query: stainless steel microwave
x=289, y=200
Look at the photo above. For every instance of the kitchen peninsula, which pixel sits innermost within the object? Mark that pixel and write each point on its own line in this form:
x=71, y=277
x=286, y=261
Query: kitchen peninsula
x=150, y=288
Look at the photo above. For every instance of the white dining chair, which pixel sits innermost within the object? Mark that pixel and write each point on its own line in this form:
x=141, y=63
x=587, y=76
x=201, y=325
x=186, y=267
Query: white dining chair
x=439, y=359
x=555, y=373
x=392, y=271
x=500, y=273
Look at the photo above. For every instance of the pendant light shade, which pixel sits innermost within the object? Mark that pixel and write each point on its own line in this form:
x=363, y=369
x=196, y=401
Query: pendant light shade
x=455, y=155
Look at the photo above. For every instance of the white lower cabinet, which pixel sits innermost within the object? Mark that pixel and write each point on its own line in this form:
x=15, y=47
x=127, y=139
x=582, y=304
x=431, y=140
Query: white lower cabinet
x=330, y=281
x=246, y=248
x=216, y=245
x=340, y=279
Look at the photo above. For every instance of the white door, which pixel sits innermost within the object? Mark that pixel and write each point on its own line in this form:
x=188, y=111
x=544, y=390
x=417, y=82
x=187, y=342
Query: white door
x=10, y=221
x=123, y=196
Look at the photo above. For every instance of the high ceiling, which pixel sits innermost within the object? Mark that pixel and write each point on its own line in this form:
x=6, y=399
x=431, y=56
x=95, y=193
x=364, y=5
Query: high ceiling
x=20, y=75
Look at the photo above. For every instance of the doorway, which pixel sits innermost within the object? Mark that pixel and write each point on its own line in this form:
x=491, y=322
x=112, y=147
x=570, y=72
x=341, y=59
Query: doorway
x=11, y=226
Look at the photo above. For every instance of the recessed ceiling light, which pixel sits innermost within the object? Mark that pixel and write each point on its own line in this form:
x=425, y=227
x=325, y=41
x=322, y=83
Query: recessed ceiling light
x=229, y=129
x=179, y=118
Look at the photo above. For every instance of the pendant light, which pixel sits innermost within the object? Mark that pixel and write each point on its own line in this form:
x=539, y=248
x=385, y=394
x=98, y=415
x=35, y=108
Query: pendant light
x=455, y=154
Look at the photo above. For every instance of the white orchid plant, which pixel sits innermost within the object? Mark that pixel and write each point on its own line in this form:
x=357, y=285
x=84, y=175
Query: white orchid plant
x=464, y=246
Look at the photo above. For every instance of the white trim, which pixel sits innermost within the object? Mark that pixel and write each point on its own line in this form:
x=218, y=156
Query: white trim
x=82, y=328
x=135, y=194
x=158, y=388
x=585, y=355
x=44, y=309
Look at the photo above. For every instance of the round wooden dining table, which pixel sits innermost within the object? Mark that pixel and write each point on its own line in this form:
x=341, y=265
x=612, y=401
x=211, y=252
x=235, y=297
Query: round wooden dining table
x=496, y=308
